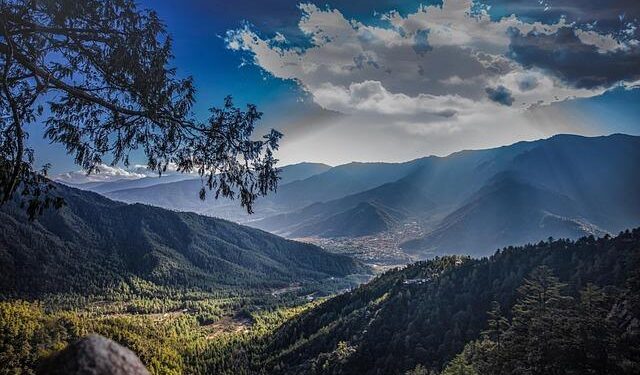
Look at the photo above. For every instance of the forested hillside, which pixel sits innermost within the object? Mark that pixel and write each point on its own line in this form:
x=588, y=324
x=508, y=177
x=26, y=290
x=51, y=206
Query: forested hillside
x=94, y=244
x=470, y=202
x=418, y=318
x=565, y=307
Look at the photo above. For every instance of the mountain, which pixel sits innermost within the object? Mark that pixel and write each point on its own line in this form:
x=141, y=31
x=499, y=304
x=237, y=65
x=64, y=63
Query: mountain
x=124, y=184
x=425, y=313
x=93, y=244
x=341, y=181
x=301, y=171
x=184, y=195
x=473, y=202
x=506, y=211
x=368, y=218
x=447, y=198
x=395, y=200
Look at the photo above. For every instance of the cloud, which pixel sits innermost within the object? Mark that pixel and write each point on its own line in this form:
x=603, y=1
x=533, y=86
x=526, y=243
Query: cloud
x=445, y=69
x=108, y=173
x=500, y=95
x=565, y=55
x=371, y=97
x=527, y=82
x=606, y=17
x=432, y=52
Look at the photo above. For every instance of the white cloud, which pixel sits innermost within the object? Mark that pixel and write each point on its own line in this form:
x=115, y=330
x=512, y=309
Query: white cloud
x=422, y=75
x=449, y=52
x=107, y=173
x=372, y=98
x=604, y=43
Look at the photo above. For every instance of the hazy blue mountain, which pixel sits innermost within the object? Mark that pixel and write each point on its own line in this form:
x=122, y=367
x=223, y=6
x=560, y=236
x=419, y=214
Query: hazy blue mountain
x=301, y=171
x=398, y=200
x=364, y=219
x=340, y=181
x=564, y=186
x=507, y=211
x=294, y=192
x=90, y=185
x=597, y=175
x=417, y=188
x=179, y=195
x=183, y=195
x=94, y=243
x=123, y=184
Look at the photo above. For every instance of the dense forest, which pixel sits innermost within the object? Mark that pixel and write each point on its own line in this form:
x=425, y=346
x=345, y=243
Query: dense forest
x=556, y=307
x=421, y=317
x=165, y=284
x=168, y=344
x=551, y=332
x=93, y=245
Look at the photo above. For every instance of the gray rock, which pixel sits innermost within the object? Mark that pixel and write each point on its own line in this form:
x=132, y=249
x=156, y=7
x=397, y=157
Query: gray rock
x=94, y=355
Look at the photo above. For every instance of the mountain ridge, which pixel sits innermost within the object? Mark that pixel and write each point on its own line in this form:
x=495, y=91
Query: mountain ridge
x=423, y=314
x=597, y=173
x=102, y=244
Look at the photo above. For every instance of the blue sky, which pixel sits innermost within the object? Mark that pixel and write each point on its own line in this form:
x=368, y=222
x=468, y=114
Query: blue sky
x=449, y=104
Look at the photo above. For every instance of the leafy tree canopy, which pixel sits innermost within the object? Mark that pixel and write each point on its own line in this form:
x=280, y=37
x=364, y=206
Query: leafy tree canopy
x=102, y=68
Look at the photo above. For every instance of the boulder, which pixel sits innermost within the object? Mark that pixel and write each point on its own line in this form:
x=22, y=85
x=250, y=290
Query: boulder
x=94, y=355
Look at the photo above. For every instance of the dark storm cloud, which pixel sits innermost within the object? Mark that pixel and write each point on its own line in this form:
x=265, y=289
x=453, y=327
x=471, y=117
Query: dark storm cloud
x=580, y=65
x=283, y=15
x=609, y=16
x=500, y=95
x=421, y=45
x=528, y=83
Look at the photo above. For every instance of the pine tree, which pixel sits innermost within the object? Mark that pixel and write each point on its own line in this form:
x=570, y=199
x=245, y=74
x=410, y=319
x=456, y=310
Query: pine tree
x=535, y=342
x=497, y=324
x=459, y=366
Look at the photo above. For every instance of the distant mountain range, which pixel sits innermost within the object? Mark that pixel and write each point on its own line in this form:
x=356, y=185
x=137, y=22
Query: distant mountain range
x=93, y=244
x=104, y=187
x=469, y=202
x=182, y=194
x=474, y=202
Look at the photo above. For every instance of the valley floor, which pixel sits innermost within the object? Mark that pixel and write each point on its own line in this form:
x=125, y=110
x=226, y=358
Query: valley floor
x=381, y=251
x=444, y=316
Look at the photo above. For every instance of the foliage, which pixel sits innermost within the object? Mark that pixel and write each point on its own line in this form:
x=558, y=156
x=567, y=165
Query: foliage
x=458, y=367
x=421, y=317
x=557, y=307
x=95, y=246
x=551, y=333
x=103, y=69
x=167, y=345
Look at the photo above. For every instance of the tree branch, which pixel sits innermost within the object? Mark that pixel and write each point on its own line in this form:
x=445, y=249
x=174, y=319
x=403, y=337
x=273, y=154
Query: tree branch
x=45, y=75
x=19, y=134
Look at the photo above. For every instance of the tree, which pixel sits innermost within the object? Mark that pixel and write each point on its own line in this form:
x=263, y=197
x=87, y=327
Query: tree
x=459, y=366
x=594, y=333
x=496, y=324
x=102, y=67
x=541, y=320
x=418, y=370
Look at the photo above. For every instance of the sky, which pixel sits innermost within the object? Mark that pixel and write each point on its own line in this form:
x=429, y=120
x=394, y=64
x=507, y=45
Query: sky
x=394, y=80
